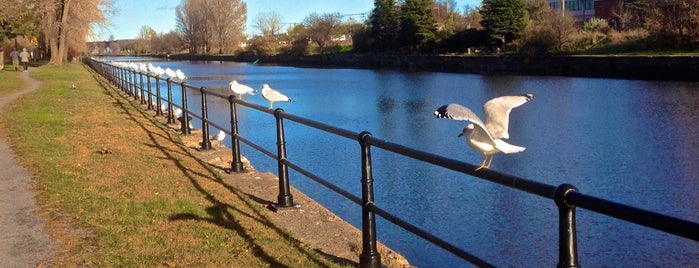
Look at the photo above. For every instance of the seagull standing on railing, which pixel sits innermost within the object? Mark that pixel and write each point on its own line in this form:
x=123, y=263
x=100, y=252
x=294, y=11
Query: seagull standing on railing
x=180, y=75
x=240, y=89
x=170, y=73
x=487, y=137
x=272, y=95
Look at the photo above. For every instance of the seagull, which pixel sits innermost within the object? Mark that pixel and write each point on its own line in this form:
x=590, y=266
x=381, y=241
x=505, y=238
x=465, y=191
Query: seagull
x=240, y=89
x=177, y=112
x=180, y=75
x=169, y=72
x=272, y=95
x=487, y=137
x=220, y=136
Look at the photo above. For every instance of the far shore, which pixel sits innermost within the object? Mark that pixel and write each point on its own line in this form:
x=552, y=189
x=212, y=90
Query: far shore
x=668, y=68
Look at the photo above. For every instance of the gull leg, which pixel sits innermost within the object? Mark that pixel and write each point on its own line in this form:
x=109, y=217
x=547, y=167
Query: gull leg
x=490, y=161
x=270, y=105
x=485, y=158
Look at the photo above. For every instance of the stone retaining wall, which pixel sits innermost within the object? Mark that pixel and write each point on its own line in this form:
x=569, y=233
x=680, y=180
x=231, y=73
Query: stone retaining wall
x=679, y=68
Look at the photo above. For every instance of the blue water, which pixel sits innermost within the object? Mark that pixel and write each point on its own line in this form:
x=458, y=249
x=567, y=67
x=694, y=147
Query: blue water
x=629, y=141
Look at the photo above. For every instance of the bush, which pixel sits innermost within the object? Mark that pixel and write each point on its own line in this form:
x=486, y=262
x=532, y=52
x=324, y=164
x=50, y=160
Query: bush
x=596, y=25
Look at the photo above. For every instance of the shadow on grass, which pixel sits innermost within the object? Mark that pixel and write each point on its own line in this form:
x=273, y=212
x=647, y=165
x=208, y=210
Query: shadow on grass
x=219, y=211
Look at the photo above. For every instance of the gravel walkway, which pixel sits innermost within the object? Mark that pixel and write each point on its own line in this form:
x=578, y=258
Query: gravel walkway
x=23, y=242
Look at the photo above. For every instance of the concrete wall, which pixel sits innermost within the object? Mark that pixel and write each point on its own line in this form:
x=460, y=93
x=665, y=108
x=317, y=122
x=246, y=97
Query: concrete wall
x=679, y=68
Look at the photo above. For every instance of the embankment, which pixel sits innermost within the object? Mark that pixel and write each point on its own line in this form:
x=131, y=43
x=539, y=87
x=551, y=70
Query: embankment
x=677, y=68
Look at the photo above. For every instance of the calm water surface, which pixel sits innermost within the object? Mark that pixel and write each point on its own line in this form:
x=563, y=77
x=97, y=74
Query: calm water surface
x=633, y=142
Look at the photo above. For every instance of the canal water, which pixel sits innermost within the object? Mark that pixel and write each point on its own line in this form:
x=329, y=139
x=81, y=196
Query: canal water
x=629, y=141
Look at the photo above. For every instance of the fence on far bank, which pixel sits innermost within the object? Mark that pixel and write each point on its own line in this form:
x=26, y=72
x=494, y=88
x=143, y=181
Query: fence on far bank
x=137, y=84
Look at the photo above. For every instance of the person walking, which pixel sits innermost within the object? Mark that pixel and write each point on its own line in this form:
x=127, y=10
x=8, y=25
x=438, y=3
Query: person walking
x=25, y=58
x=15, y=58
x=2, y=59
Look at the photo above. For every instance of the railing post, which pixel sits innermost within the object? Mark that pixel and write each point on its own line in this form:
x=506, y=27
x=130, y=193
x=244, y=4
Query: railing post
x=170, y=116
x=185, y=114
x=134, y=85
x=150, y=95
x=567, y=240
x=236, y=162
x=284, y=199
x=158, y=101
x=143, y=90
x=136, y=95
x=370, y=256
x=205, y=141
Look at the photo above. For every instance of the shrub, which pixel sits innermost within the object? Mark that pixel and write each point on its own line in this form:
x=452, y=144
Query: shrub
x=596, y=25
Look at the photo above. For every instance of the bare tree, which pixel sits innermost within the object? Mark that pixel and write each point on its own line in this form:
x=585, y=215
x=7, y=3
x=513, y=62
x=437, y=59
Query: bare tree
x=269, y=23
x=226, y=21
x=202, y=23
x=145, y=36
x=320, y=27
x=67, y=23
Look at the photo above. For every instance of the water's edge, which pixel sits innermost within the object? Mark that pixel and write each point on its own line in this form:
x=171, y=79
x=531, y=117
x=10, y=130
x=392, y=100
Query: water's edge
x=677, y=68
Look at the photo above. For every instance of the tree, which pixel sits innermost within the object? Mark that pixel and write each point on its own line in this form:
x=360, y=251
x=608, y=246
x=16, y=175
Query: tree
x=319, y=28
x=204, y=24
x=417, y=25
x=17, y=18
x=503, y=20
x=226, y=19
x=384, y=26
x=65, y=24
x=167, y=43
x=269, y=23
x=676, y=22
x=145, y=36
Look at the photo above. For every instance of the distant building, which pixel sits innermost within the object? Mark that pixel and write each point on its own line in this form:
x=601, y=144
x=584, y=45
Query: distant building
x=581, y=10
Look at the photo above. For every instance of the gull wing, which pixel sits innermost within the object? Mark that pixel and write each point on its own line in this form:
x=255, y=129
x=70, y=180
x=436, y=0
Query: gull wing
x=457, y=112
x=497, y=113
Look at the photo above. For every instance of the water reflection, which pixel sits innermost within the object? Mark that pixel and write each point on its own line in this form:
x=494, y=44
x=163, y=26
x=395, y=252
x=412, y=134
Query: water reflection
x=634, y=142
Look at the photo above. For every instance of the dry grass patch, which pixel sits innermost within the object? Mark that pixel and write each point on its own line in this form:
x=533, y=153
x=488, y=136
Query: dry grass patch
x=120, y=189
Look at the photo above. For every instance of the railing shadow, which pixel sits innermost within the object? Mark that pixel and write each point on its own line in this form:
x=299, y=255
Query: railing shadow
x=565, y=197
x=219, y=211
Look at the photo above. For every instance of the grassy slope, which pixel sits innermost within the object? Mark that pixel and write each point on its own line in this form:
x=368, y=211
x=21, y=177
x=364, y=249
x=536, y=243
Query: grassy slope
x=119, y=189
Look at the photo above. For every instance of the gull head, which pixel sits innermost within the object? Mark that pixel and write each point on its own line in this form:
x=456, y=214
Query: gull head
x=467, y=130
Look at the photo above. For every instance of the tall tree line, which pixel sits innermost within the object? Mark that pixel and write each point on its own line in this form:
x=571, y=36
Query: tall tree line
x=211, y=25
x=57, y=28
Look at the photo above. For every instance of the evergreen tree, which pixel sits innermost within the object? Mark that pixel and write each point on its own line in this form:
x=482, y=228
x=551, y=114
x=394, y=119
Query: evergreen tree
x=417, y=25
x=383, y=33
x=503, y=20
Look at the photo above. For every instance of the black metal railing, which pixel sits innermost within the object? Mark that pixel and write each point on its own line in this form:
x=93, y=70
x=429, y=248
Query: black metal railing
x=566, y=197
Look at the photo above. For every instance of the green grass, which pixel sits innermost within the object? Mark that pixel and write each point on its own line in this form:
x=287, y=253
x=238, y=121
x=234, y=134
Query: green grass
x=10, y=81
x=149, y=202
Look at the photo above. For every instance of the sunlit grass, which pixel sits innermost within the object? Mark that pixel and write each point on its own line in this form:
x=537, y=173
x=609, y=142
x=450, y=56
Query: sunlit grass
x=119, y=188
x=10, y=81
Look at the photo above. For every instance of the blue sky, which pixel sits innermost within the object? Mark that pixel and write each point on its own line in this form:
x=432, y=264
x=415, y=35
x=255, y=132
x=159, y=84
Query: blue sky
x=160, y=14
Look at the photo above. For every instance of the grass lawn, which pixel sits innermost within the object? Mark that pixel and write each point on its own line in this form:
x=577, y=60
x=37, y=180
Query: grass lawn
x=118, y=188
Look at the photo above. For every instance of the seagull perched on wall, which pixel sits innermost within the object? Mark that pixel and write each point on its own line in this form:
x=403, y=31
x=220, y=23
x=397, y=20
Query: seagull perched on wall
x=219, y=136
x=272, y=95
x=177, y=112
x=240, y=89
x=486, y=137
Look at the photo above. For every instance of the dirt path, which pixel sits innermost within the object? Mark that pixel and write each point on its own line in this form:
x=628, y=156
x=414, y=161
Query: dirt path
x=23, y=242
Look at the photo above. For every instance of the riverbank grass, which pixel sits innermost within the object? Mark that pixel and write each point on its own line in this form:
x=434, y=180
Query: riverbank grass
x=118, y=188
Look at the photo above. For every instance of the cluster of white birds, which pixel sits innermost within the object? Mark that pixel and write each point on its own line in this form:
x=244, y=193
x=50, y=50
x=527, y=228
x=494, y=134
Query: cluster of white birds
x=486, y=137
x=151, y=69
x=268, y=93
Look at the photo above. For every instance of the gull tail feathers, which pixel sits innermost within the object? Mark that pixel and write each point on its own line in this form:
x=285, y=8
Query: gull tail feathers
x=508, y=148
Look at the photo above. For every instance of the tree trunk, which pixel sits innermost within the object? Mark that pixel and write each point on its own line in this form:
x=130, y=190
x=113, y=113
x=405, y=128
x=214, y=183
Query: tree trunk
x=59, y=52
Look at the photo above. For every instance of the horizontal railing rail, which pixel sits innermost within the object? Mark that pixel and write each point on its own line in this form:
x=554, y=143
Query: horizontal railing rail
x=566, y=197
